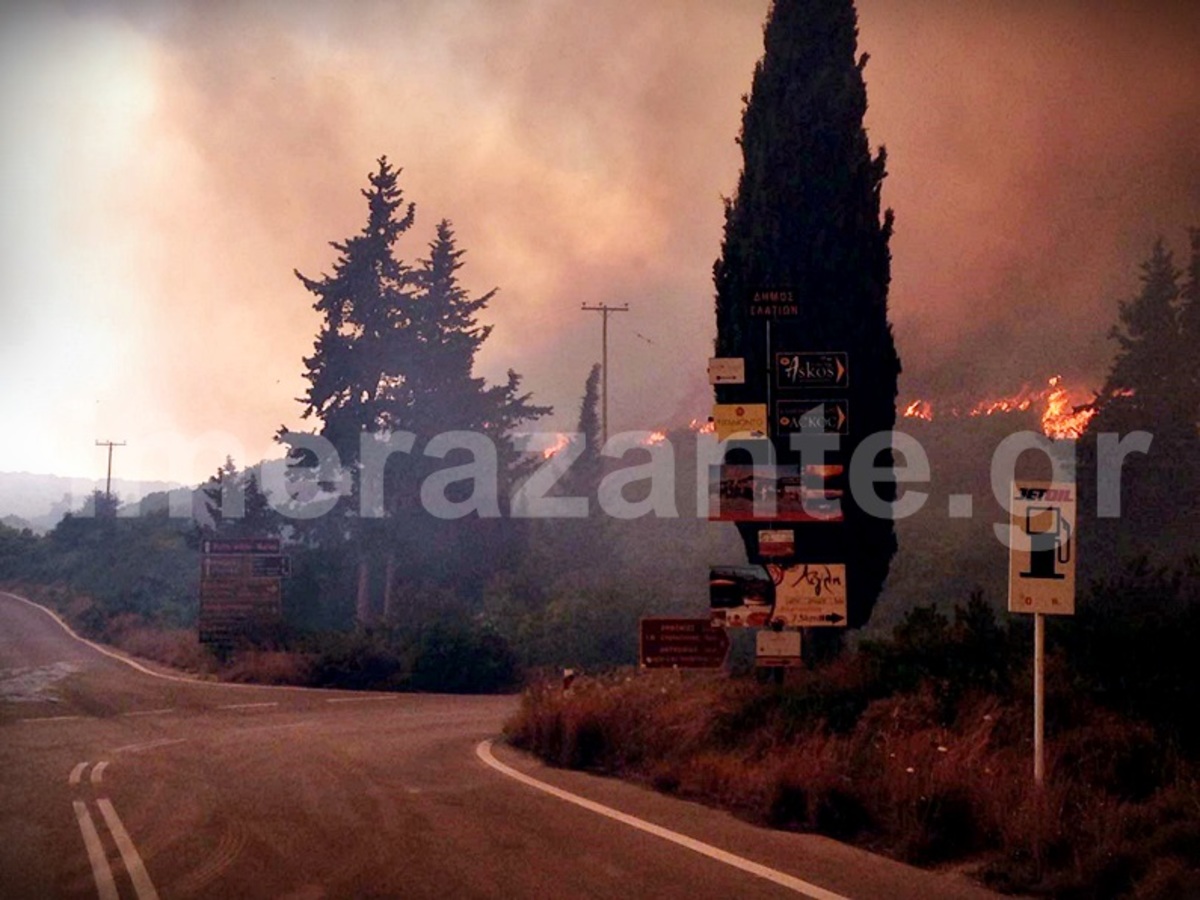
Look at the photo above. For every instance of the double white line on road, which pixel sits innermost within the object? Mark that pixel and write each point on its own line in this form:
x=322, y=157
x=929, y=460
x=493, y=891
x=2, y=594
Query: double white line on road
x=97, y=773
x=106, y=886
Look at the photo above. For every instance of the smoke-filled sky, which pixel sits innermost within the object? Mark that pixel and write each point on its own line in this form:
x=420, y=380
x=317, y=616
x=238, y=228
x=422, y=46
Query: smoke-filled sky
x=166, y=165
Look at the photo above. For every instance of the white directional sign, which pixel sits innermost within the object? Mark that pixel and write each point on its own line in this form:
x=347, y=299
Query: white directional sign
x=1042, y=540
x=778, y=649
x=809, y=596
x=727, y=370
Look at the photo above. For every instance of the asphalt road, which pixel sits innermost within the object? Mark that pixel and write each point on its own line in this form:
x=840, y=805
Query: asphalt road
x=119, y=783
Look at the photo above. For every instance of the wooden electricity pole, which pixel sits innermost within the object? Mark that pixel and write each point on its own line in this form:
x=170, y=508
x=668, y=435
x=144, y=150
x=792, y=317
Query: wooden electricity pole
x=604, y=309
x=108, y=478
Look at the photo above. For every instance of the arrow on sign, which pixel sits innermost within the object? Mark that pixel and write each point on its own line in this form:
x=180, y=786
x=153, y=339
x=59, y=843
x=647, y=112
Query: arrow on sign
x=832, y=618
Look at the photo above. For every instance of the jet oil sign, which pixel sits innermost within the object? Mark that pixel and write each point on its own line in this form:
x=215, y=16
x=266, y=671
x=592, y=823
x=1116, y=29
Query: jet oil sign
x=1042, y=541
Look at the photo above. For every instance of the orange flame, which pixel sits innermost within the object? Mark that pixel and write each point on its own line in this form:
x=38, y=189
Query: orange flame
x=560, y=441
x=919, y=409
x=655, y=438
x=1062, y=417
x=703, y=426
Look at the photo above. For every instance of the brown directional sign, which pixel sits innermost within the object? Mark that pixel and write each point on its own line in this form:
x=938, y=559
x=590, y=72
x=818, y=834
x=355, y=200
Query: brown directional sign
x=666, y=643
x=240, y=546
x=816, y=416
x=800, y=371
x=241, y=590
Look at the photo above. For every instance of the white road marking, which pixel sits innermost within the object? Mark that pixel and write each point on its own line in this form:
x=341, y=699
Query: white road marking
x=142, y=885
x=53, y=719
x=98, y=771
x=150, y=712
x=361, y=699
x=149, y=745
x=99, y=648
x=106, y=888
x=246, y=705
x=484, y=752
x=77, y=773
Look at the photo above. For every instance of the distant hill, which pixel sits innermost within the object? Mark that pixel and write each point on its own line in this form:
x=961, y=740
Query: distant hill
x=17, y=523
x=42, y=500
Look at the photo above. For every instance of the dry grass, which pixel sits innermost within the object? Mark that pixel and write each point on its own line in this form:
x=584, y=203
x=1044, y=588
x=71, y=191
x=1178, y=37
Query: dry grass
x=1117, y=816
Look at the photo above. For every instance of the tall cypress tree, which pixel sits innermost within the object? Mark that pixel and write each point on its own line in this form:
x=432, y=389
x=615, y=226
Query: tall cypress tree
x=806, y=226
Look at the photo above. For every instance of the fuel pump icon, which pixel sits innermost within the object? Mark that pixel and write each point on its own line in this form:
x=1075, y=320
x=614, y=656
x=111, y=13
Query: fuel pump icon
x=1049, y=542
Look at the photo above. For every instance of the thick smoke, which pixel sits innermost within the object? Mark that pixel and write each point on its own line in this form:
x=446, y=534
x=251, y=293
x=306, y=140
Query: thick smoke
x=582, y=150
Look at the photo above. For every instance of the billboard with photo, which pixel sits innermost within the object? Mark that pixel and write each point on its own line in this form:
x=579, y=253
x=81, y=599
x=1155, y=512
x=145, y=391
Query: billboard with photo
x=740, y=596
x=747, y=493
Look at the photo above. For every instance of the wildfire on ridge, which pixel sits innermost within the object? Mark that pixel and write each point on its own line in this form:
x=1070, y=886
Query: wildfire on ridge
x=560, y=441
x=655, y=438
x=919, y=409
x=1063, y=416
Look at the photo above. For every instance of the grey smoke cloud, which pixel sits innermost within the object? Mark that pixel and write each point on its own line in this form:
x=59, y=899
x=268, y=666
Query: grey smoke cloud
x=582, y=151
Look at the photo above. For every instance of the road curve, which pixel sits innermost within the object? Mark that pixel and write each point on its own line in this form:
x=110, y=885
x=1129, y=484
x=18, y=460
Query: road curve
x=118, y=783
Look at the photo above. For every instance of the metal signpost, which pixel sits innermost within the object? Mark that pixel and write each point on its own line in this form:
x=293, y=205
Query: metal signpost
x=1041, y=577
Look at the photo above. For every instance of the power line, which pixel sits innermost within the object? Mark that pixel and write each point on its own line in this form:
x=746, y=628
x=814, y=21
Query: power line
x=604, y=309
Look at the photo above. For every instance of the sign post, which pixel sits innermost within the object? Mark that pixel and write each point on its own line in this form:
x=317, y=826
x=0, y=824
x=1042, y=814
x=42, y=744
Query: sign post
x=1041, y=578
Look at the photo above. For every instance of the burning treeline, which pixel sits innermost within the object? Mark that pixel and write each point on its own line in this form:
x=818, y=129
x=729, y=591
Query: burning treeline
x=1065, y=412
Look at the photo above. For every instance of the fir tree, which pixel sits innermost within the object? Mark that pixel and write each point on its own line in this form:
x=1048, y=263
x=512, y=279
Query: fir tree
x=1189, y=329
x=807, y=219
x=236, y=505
x=395, y=352
x=353, y=383
x=1150, y=388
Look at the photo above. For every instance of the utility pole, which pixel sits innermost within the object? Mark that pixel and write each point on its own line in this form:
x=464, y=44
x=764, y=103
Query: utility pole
x=108, y=478
x=604, y=309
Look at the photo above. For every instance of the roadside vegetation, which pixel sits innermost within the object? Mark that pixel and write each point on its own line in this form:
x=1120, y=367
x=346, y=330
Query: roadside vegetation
x=920, y=745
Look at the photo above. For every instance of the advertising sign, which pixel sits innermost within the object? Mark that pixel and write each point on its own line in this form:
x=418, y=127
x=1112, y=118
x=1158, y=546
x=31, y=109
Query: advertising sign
x=1042, y=541
x=814, y=416
x=665, y=643
x=776, y=543
x=778, y=649
x=809, y=596
x=727, y=371
x=800, y=371
x=740, y=596
x=774, y=494
x=746, y=419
